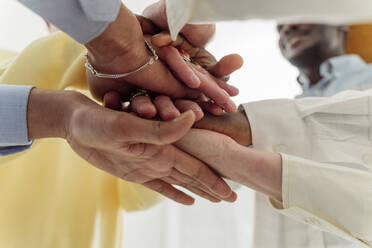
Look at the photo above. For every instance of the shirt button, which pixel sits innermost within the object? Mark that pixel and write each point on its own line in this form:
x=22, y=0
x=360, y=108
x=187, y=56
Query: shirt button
x=367, y=158
x=280, y=148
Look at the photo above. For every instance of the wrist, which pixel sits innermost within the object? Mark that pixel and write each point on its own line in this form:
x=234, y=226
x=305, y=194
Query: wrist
x=121, y=41
x=262, y=172
x=49, y=113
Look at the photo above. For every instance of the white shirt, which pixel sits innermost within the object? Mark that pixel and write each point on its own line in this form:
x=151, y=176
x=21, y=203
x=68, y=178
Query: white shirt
x=278, y=231
x=320, y=133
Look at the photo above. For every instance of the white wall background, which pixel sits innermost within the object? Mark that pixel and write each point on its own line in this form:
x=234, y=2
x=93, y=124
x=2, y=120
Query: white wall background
x=265, y=75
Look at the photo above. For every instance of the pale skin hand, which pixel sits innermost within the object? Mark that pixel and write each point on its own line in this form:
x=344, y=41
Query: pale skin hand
x=124, y=145
x=121, y=49
x=258, y=170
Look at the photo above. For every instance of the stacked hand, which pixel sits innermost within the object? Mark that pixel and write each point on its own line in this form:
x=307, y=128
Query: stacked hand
x=180, y=87
x=144, y=151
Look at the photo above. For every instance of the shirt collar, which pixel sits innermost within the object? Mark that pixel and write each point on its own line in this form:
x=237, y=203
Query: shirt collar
x=334, y=68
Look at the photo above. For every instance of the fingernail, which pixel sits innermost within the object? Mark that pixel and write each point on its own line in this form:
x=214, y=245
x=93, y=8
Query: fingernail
x=225, y=92
x=232, y=198
x=223, y=190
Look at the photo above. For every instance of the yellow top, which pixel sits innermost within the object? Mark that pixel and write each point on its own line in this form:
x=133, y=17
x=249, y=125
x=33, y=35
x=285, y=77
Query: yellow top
x=50, y=197
x=359, y=41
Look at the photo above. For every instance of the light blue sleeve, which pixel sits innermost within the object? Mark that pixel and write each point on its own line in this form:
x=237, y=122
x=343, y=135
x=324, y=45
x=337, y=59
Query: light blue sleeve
x=83, y=20
x=13, y=119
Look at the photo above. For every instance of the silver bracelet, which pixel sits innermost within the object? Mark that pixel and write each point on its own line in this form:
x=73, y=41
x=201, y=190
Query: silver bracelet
x=152, y=60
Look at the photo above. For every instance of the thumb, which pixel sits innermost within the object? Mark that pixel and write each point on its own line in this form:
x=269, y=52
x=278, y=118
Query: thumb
x=227, y=65
x=157, y=132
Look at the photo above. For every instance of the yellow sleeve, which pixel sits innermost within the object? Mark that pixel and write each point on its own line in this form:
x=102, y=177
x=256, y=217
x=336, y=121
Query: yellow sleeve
x=56, y=62
x=135, y=197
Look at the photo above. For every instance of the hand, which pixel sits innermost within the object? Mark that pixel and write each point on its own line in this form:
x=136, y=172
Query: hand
x=204, y=66
x=168, y=109
x=121, y=49
x=261, y=171
x=124, y=145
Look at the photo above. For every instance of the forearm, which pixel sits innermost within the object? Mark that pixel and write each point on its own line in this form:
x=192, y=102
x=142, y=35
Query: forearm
x=258, y=170
x=118, y=39
x=262, y=171
x=49, y=111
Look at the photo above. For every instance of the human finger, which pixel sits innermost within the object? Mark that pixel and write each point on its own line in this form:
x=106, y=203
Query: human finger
x=144, y=107
x=209, y=87
x=112, y=100
x=169, y=191
x=197, y=54
x=164, y=39
x=211, y=108
x=227, y=65
x=200, y=172
x=147, y=26
x=191, y=182
x=185, y=105
x=166, y=109
x=130, y=128
x=179, y=67
x=196, y=191
x=231, y=90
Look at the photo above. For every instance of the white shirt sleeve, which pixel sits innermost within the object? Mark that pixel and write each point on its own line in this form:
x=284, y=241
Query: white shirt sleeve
x=327, y=179
x=181, y=12
x=332, y=198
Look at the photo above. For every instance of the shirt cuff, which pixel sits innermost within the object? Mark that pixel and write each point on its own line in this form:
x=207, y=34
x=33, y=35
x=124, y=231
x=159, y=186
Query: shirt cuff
x=5, y=151
x=13, y=115
x=332, y=197
x=179, y=13
x=274, y=115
